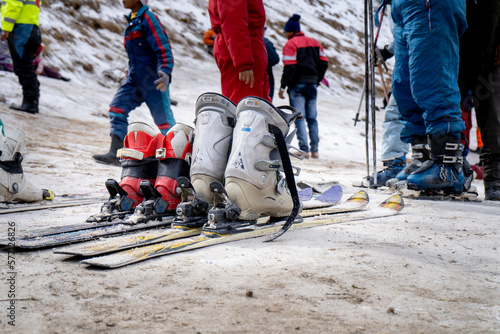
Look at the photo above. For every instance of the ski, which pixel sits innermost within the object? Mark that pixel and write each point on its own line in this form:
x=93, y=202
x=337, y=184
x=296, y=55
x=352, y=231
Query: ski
x=389, y=207
x=83, y=235
x=108, y=245
x=111, y=214
x=119, y=243
x=328, y=198
x=54, y=205
x=471, y=195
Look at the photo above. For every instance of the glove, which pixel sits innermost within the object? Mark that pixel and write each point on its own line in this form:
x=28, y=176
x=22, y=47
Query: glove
x=163, y=81
x=386, y=54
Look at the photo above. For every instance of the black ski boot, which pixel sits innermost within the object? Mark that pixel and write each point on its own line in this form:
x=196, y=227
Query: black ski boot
x=444, y=171
x=492, y=193
x=110, y=157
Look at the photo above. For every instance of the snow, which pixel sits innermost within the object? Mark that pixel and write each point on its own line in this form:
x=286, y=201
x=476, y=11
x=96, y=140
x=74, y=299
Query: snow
x=432, y=268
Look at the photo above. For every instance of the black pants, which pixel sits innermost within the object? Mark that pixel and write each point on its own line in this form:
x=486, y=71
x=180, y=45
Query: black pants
x=23, y=45
x=487, y=102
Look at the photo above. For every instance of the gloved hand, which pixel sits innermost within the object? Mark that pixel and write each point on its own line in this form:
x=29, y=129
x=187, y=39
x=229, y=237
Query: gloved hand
x=163, y=81
x=385, y=53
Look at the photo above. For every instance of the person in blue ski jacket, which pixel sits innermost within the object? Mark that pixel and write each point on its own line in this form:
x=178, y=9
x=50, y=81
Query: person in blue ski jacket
x=149, y=75
x=424, y=83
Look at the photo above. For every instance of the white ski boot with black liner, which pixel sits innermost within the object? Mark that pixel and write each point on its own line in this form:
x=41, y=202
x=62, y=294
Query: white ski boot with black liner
x=254, y=182
x=215, y=119
x=14, y=187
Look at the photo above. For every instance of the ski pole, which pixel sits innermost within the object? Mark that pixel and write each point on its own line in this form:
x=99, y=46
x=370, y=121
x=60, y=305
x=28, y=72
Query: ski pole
x=356, y=119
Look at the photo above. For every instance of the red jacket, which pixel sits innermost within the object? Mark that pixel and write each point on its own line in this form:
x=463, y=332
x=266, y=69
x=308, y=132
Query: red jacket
x=230, y=18
x=239, y=45
x=304, y=61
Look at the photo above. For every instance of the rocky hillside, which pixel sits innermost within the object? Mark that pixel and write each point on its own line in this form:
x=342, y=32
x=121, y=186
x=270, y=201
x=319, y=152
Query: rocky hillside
x=83, y=37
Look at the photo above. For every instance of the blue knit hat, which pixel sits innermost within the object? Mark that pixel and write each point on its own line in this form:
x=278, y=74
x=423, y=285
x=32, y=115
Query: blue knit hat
x=293, y=24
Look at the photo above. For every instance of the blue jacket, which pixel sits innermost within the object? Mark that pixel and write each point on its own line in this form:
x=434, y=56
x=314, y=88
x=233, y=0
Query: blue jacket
x=147, y=45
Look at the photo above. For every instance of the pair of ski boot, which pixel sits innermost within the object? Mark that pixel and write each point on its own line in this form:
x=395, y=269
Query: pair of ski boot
x=14, y=186
x=151, y=164
x=438, y=166
x=239, y=157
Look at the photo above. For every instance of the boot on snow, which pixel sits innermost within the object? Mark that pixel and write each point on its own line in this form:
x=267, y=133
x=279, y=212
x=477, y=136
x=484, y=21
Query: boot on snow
x=492, y=193
x=29, y=105
x=420, y=154
x=139, y=163
x=215, y=120
x=445, y=169
x=162, y=197
x=254, y=179
x=14, y=187
x=392, y=169
x=110, y=157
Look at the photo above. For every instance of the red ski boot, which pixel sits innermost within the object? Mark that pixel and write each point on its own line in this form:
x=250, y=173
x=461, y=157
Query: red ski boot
x=138, y=164
x=175, y=158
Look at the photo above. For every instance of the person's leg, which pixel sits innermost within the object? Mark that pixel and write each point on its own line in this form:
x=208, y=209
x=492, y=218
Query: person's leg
x=411, y=113
x=159, y=104
x=392, y=146
x=24, y=40
x=128, y=97
x=393, y=149
x=433, y=63
x=311, y=113
x=487, y=100
x=298, y=101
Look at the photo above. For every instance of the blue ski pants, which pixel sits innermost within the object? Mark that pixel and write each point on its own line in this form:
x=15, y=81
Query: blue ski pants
x=424, y=80
x=131, y=95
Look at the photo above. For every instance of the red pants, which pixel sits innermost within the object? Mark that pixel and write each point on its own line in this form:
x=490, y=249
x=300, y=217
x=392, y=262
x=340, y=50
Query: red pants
x=231, y=86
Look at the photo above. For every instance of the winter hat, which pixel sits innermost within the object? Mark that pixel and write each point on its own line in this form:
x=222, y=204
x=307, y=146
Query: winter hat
x=144, y=2
x=293, y=24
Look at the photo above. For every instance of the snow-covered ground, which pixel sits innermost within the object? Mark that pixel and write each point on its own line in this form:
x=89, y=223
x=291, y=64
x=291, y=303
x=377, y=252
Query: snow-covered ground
x=434, y=268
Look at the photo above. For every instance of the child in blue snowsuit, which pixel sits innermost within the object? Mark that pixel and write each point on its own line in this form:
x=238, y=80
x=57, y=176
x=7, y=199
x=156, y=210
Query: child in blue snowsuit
x=150, y=69
x=424, y=82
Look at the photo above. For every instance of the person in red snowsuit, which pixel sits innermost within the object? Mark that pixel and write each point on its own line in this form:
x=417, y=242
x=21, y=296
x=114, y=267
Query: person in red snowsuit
x=239, y=48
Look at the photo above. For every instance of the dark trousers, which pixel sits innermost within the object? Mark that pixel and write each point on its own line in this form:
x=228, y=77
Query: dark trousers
x=24, y=41
x=487, y=101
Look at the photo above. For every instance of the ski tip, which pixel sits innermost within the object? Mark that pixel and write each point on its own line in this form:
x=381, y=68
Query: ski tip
x=360, y=196
x=395, y=202
x=305, y=194
x=48, y=194
x=333, y=195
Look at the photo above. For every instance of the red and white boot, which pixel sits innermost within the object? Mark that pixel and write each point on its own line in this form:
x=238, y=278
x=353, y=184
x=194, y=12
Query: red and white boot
x=139, y=163
x=162, y=197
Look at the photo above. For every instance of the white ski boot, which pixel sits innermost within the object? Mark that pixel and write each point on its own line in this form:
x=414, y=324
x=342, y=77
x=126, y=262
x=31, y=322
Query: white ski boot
x=215, y=118
x=253, y=176
x=14, y=187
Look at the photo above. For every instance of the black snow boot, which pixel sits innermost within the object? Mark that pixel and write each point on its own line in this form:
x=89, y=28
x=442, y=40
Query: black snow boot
x=110, y=157
x=492, y=193
x=30, y=105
